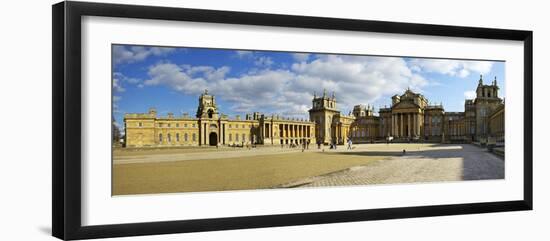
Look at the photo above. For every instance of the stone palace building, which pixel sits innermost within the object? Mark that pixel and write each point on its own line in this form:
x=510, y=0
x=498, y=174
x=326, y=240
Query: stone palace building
x=409, y=118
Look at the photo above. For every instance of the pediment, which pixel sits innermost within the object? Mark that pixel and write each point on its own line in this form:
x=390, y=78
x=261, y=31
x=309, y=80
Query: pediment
x=405, y=105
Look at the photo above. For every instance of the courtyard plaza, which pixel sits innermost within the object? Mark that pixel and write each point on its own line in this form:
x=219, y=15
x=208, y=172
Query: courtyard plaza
x=196, y=169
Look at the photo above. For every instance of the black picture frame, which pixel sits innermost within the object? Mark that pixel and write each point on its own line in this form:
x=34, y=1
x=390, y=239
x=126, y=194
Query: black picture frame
x=66, y=127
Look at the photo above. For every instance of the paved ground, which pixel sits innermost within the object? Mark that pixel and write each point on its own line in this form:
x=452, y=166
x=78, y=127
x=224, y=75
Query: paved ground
x=419, y=164
x=210, y=169
x=171, y=155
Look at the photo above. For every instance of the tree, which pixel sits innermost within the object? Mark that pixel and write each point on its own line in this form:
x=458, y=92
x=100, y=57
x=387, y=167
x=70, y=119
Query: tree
x=115, y=131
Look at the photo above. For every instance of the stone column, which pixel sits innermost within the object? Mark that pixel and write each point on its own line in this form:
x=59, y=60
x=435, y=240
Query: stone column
x=415, y=123
x=206, y=136
x=393, y=125
x=408, y=124
x=338, y=133
x=290, y=130
x=419, y=123
x=401, y=132
x=396, y=125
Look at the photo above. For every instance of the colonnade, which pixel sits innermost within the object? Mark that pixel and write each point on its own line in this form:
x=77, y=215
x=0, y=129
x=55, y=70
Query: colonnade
x=406, y=124
x=294, y=133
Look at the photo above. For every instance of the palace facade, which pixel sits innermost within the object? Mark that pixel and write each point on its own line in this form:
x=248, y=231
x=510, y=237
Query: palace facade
x=210, y=128
x=410, y=117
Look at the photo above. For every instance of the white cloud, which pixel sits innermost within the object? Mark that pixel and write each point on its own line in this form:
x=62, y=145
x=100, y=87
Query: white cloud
x=470, y=94
x=130, y=54
x=263, y=61
x=460, y=68
x=116, y=85
x=116, y=99
x=355, y=80
x=243, y=53
x=119, y=79
x=300, y=57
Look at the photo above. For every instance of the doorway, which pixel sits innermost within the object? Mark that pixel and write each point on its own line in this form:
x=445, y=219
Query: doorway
x=213, y=139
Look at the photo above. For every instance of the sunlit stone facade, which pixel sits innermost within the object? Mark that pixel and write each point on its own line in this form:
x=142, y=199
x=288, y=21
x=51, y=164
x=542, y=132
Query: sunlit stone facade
x=410, y=117
x=210, y=128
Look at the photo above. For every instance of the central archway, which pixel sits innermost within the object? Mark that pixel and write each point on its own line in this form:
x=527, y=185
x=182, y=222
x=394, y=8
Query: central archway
x=213, y=139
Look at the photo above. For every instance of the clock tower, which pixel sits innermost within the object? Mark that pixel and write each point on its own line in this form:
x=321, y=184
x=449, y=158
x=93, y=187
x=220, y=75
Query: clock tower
x=207, y=107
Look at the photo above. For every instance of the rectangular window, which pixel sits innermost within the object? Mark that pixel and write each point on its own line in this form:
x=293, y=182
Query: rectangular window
x=244, y=137
x=178, y=137
x=194, y=137
x=185, y=125
x=140, y=124
x=185, y=137
x=237, y=137
x=193, y=125
x=230, y=137
x=177, y=125
x=168, y=124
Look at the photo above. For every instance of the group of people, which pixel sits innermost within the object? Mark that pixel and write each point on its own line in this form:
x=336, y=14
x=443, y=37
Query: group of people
x=305, y=145
x=333, y=144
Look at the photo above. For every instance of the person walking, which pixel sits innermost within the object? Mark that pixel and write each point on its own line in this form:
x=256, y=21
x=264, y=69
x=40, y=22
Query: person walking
x=349, y=144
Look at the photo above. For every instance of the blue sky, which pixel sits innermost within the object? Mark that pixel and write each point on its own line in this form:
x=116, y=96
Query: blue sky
x=171, y=79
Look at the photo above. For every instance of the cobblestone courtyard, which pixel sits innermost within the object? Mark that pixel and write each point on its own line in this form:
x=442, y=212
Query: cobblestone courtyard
x=425, y=164
x=210, y=169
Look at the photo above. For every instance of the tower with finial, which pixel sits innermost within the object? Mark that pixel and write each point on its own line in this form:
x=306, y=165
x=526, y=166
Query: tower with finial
x=486, y=101
x=487, y=91
x=207, y=106
x=322, y=113
x=480, y=82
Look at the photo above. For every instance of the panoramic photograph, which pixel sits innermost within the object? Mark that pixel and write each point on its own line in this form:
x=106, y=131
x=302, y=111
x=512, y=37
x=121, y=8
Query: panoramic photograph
x=187, y=119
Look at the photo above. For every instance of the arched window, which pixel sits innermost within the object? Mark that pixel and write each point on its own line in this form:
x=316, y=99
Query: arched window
x=185, y=137
x=178, y=137
x=194, y=137
x=244, y=137
x=210, y=113
x=169, y=137
x=236, y=137
x=160, y=137
x=230, y=137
